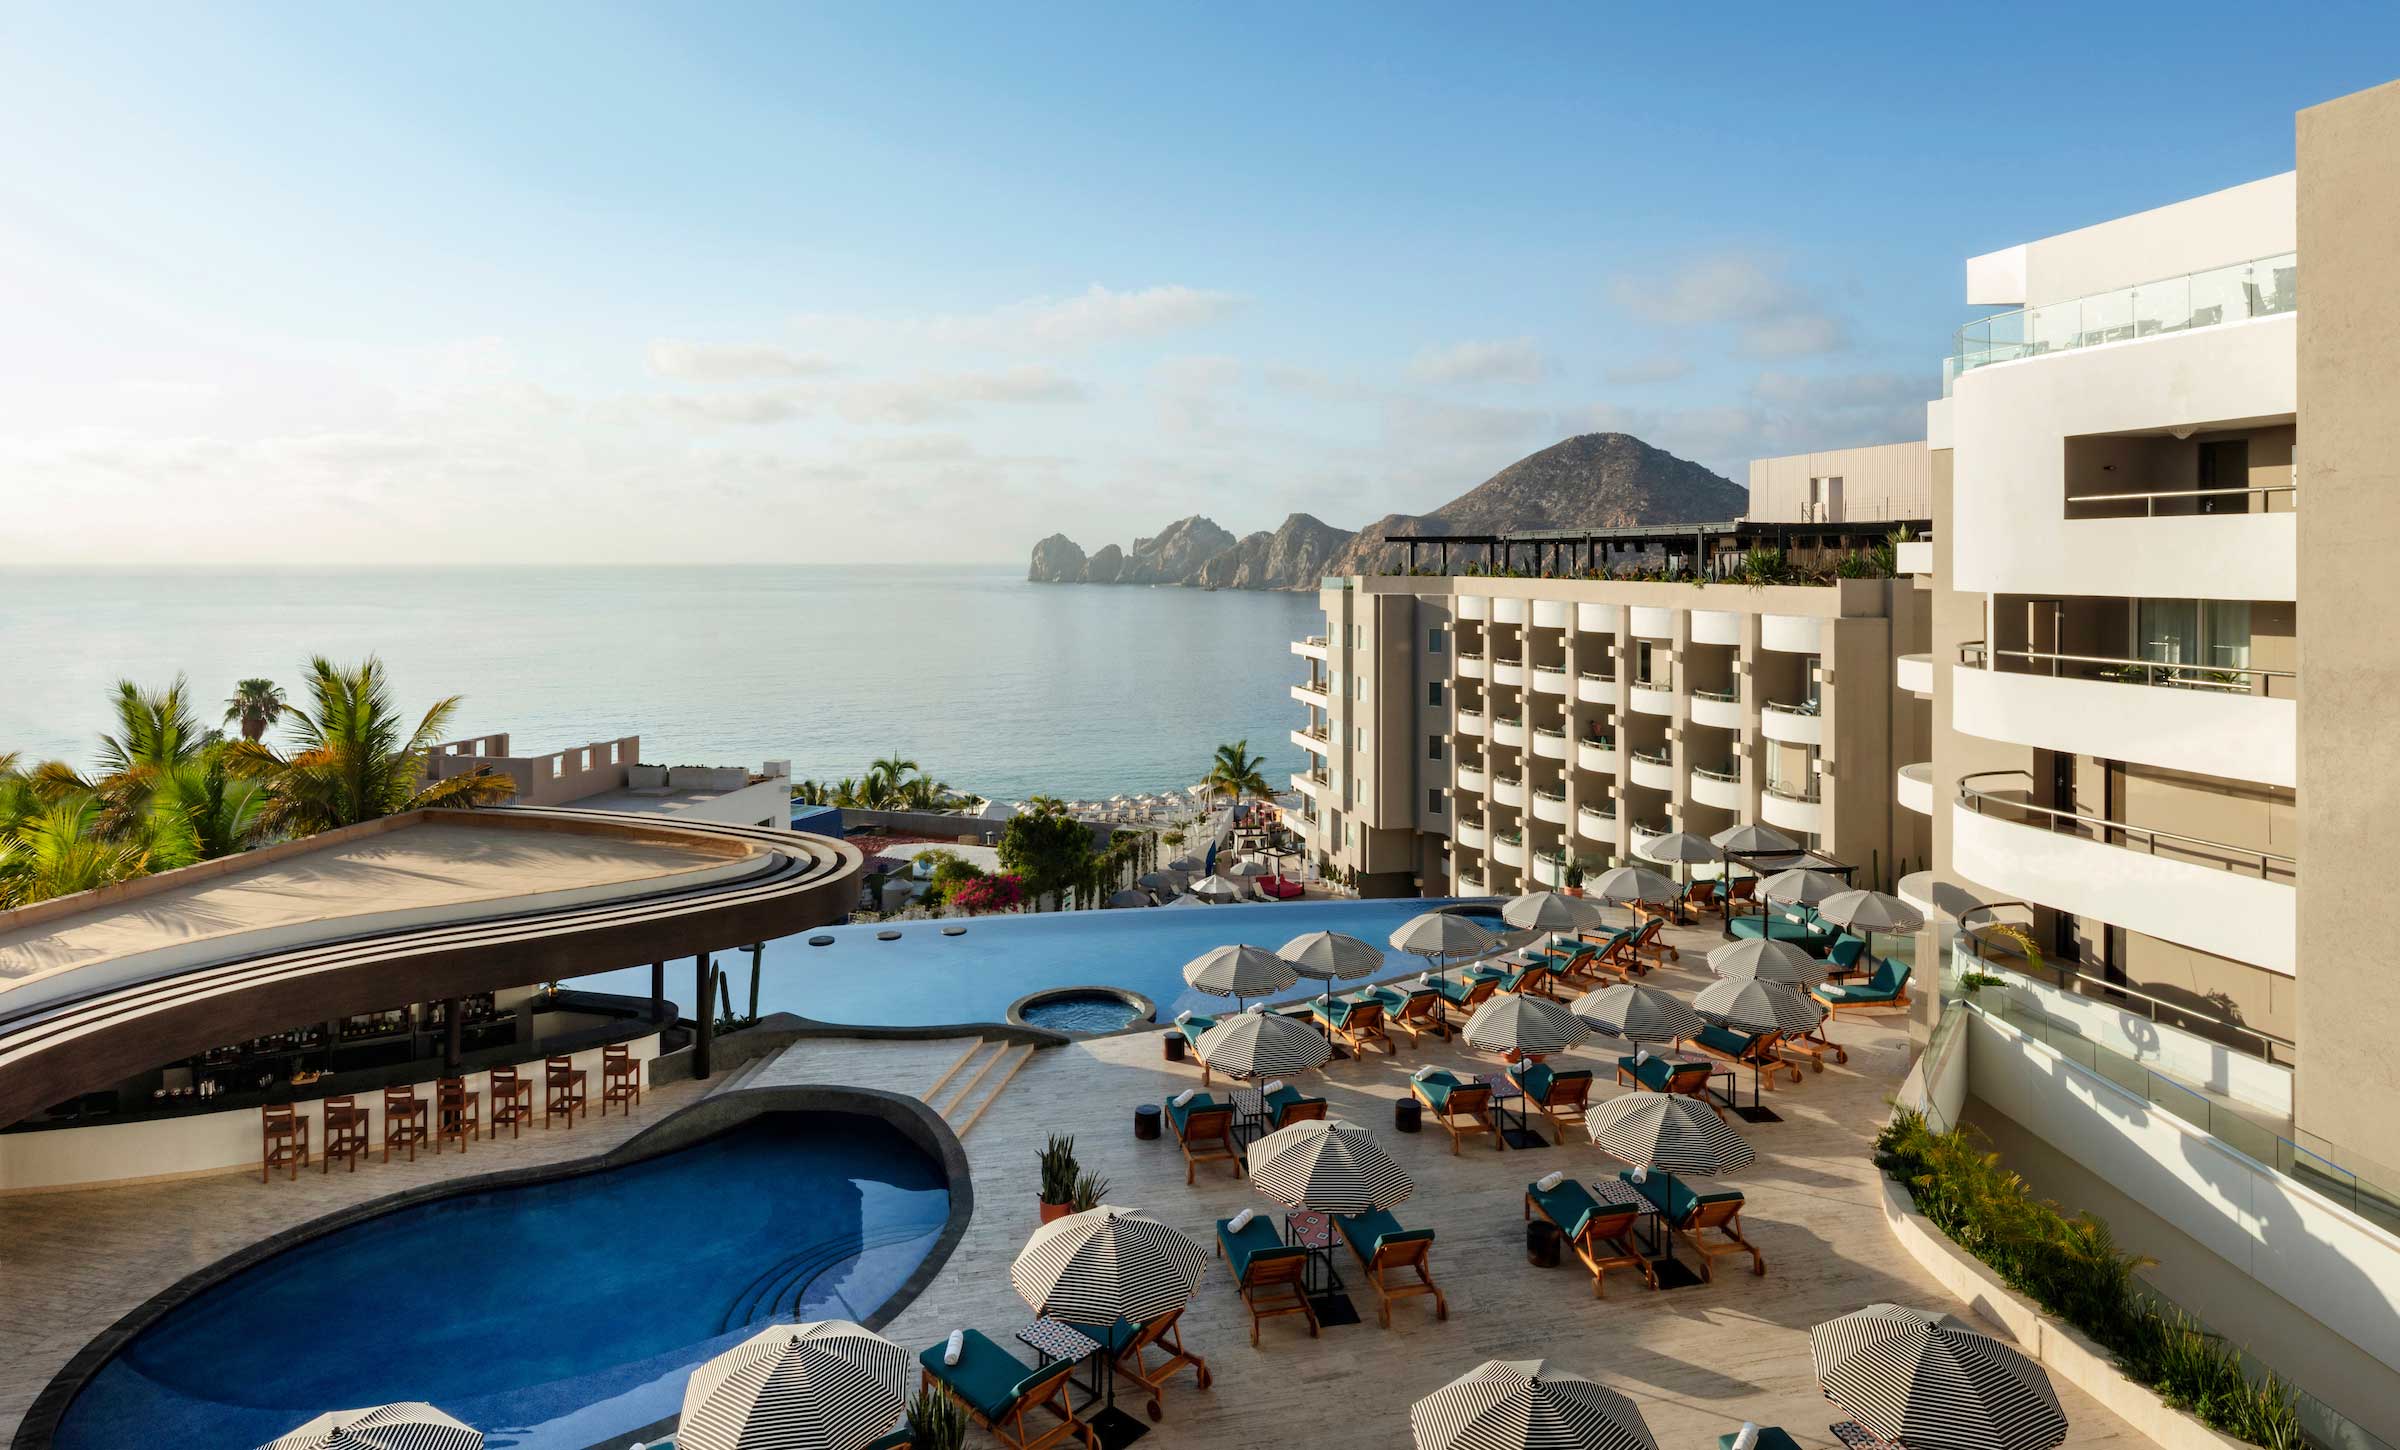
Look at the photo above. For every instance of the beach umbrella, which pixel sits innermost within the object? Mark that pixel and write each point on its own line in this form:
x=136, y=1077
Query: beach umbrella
x=1677, y=848
x=824, y=1385
x=1438, y=936
x=1868, y=912
x=1330, y=1165
x=1158, y=881
x=1329, y=954
x=1637, y=1013
x=1759, y=959
x=1624, y=884
x=1748, y=840
x=1220, y=889
x=1246, y=871
x=1238, y=971
x=1527, y=1405
x=1523, y=1025
x=409, y=1425
x=1756, y=1006
x=1925, y=1381
x=1186, y=864
x=1550, y=913
x=1106, y=1264
x=1669, y=1132
x=1262, y=1044
x=1130, y=897
x=1801, y=887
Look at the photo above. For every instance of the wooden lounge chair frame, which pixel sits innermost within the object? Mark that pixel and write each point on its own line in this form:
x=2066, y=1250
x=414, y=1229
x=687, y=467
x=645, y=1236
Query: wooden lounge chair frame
x=1606, y=1243
x=1689, y=1079
x=1812, y=1048
x=1725, y=1217
x=1580, y=969
x=1419, y=1015
x=1305, y=1110
x=1468, y=1100
x=1273, y=1285
x=1360, y=1027
x=1478, y=993
x=283, y=1140
x=1535, y=979
x=1049, y=1393
x=1836, y=1006
x=1210, y=1128
x=1164, y=1334
x=1415, y=1255
x=1563, y=1107
x=1761, y=1057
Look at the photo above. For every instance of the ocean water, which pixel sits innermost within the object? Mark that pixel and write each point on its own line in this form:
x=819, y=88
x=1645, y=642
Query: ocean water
x=993, y=684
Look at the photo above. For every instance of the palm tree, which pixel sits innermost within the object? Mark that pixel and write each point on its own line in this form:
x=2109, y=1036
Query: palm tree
x=200, y=811
x=924, y=793
x=811, y=793
x=257, y=704
x=892, y=767
x=354, y=763
x=59, y=851
x=156, y=733
x=1235, y=772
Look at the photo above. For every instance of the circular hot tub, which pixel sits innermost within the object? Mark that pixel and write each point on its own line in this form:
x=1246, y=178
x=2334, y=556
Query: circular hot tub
x=1083, y=1011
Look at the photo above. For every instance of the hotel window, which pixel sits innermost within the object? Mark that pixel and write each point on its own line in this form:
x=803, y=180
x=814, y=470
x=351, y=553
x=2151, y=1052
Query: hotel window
x=1433, y=694
x=1436, y=641
x=1433, y=747
x=1652, y=665
x=2210, y=632
x=1433, y=802
x=1358, y=687
x=586, y=761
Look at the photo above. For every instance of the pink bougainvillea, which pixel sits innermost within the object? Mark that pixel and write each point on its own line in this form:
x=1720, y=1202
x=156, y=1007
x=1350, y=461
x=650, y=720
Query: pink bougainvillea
x=989, y=893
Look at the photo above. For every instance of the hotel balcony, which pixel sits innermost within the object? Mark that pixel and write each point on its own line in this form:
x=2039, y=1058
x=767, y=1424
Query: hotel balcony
x=1470, y=778
x=1716, y=626
x=1474, y=606
x=1469, y=722
x=1653, y=699
x=1550, y=869
x=1793, y=724
x=1509, y=790
x=1465, y=882
x=1509, y=850
x=1553, y=614
x=1312, y=741
x=1507, y=610
x=1719, y=785
x=1643, y=833
x=1597, y=754
x=1550, y=680
x=1312, y=648
x=1912, y=788
x=1470, y=832
x=2241, y=724
x=1795, y=808
x=1598, y=618
x=1508, y=672
x=2231, y=901
x=1914, y=673
x=1469, y=665
x=1310, y=783
x=1656, y=771
x=1649, y=622
x=1720, y=709
x=1508, y=730
x=1594, y=688
x=1596, y=825
x=2262, y=287
x=1550, y=806
x=1793, y=634
x=1549, y=744
x=1312, y=694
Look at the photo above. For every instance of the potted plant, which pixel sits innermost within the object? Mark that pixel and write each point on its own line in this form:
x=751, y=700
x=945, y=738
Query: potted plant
x=1059, y=1177
x=935, y=1422
x=1090, y=1188
x=1574, y=876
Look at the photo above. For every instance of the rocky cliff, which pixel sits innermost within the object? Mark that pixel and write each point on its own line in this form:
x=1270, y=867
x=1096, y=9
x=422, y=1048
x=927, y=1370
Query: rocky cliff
x=1595, y=480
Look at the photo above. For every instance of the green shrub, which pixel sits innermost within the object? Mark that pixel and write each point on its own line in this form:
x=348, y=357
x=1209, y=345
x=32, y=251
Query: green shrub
x=935, y=1422
x=2072, y=1268
x=1059, y=1169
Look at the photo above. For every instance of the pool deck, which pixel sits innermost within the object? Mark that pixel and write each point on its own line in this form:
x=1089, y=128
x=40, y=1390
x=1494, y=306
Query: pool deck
x=1699, y=1360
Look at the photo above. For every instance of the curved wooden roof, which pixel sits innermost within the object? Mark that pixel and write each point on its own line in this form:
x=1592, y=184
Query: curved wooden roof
x=66, y=1040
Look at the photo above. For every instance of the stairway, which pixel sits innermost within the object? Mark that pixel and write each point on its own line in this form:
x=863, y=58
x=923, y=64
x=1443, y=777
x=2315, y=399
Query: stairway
x=970, y=1085
x=742, y=1074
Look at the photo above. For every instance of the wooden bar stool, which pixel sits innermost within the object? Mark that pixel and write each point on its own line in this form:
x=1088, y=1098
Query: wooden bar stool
x=403, y=1121
x=284, y=1142
x=564, y=1095
x=458, y=1113
x=345, y=1133
x=620, y=1079
x=512, y=1101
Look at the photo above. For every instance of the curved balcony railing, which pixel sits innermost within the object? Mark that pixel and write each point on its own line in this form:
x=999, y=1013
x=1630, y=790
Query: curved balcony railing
x=1779, y=707
x=1549, y=732
x=1722, y=697
x=1549, y=795
x=1785, y=790
x=1663, y=757
x=2177, y=503
x=1599, y=677
x=1731, y=770
x=2261, y=287
x=1601, y=742
x=2192, y=850
x=2119, y=670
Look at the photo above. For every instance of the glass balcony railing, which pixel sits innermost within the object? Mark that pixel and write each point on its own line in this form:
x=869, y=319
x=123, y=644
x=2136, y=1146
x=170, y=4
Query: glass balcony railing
x=2261, y=287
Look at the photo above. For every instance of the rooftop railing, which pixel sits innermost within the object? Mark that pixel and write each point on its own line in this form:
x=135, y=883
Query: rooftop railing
x=2182, y=502
x=2262, y=287
x=2119, y=670
x=2193, y=850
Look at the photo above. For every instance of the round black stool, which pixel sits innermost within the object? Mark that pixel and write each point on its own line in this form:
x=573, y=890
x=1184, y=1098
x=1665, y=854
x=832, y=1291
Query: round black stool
x=1145, y=1121
x=1408, y=1114
x=1171, y=1042
x=1541, y=1243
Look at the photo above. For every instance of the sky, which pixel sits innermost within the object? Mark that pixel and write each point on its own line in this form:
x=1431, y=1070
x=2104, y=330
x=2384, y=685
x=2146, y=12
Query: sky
x=333, y=283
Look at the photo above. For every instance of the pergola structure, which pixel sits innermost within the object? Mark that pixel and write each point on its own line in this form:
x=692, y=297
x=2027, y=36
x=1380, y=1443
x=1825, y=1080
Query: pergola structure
x=1695, y=550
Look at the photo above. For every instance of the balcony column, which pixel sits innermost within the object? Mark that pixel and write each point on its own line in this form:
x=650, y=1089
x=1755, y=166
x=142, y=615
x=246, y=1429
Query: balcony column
x=704, y=994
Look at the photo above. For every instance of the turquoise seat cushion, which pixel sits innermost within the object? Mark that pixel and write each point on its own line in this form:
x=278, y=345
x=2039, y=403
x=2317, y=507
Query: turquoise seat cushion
x=986, y=1376
x=1802, y=934
x=1844, y=955
x=1484, y=974
x=1454, y=991
x=1257, y=1238
x=1535, y=1078
x=1770, y=1437
x=1183, y=1115
x=1192, y=1027
x=1370, y=1232
x=1338, y=1011
x=1284, y=1098
x=1435, y=1086
x=1731, y=1043
x=1570, y=1205
x=1884, y=986
x=1113, y=1337
x=1653, y=1074
x=1675, y=1199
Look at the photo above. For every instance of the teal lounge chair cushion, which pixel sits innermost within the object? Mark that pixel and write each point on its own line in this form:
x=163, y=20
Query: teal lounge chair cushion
x=1884, y=986
x=1193, y=1027
x=1570, y=1205
x=1257, y=1238
x=1732, y=1044
x=1284, y=1098
x=1368, y=1232
x=1183, y=1115
x=1653, y=1074
x=986, y=1376
x=1770, y=1437
x=1535, y=1078
x=1674, y=1199
x=1336, y=1011
x=1113, y=1336
x=1435, y=1086
x=1453, y=991
x=1484, y=974
x=1846, y=950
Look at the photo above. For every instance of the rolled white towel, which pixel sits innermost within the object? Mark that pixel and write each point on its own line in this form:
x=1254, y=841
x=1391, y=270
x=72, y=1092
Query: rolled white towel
x=1641, y=1173
x=1832, y=991
x=1550, y=1180
x=1746, y=1438
x=1186, y=1096
x=1183, y=1017
x=1423, y=1073
x=954, y=1346
x=1256, y=1007
x=1274, y=1086
x=1424, y=979
x=1641, y=1057
x=1325, y=997
x=1241, y=1220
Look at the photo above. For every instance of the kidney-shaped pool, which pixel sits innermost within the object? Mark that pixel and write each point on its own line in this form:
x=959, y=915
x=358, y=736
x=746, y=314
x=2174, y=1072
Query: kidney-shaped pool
x=553, y=1314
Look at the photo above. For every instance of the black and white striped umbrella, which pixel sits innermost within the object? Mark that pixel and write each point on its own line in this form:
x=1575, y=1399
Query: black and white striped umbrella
x=1524, y=1024
x=1262, y=1044
x=1220, y=888
x=1527, y=1404
x=824, y=1385
x=1927, y=1382
x=1637, y=1013
x=1801, y=887
x=1632, y=883
x=1442, y=935
x=1669, y=1132
x=1677, y=848
x=1550, y=911
x=1756, y=1006
x=1239, y=971
x=1187, y=864
x=1870, y=911
x=1752, y=840
x=409, y=1425
x=1332, y=1166
x=1759, y=959
x=1106, y=1264
x=1329, y=954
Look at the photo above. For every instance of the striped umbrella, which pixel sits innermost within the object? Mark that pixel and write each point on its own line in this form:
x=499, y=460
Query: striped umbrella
x=1332, y=1166
x=1865, y=912
x=1755, y=1006
x=1238, y=971
x=1329, y=954
x=1801, y=887
x=409, y=1425
x=1525, y=1025
x=1549, y=911
x=1262, y=1044
x=1632, y=883
x=1759, y=959
x=825, y=1385
x=1247, y=870
x=1220, y=888
x=1637, y=1013
x=1923, y=1380
x=1527, y=1405
x=1669, y=1132
x=1106, y=1264
x=1442, y=935
x=1752, y=841
x=1187, y=864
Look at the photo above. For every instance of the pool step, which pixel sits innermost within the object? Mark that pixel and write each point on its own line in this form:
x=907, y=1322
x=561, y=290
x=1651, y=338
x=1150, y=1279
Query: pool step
x=741, y=1075
x=971, y=1084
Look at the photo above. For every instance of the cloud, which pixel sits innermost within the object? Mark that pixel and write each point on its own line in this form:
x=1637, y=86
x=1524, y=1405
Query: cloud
x=727, y=362
x=1660, y=368
x=920, y=399
x=741, y=408
x=1780, y=412
x=1193, y=393
x=1094, y=317
x=1752, y=294
x=1507, y=360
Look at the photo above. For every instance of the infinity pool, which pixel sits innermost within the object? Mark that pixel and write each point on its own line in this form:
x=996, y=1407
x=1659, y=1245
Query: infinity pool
x=928, y=979
x=552, y=1316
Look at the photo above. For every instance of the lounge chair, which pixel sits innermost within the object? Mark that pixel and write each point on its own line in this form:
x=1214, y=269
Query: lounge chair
x=1888, y=987
x=1812, y=1048
x=1132, y=1344
x=1649, y=942
x=1561, y=1095
x=1191, y=1026
x=1355, y=1023
x=1656, y=1074
x=1690, y=1215
x=1755, y=1050
x=1288, y=1105
x=1600, y=1235
x=1701, y=897
x=1574, y=966
x=1461, y=1106
x=1414, y=1010
x=1281, y=889
x=1848, y=956
x=999, y=1392
x=1624, y=956
x=1781, y=923
x=1466, y=994
x=1267, y=1272
x=1384, y=1247
x=1204, y=1130
x=1534, y=978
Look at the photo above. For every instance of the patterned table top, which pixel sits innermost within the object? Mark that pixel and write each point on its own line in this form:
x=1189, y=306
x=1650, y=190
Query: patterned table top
x=1059, y=1341
x=1309, y=1228
x=1504, y=1088
x=1617, y=1193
